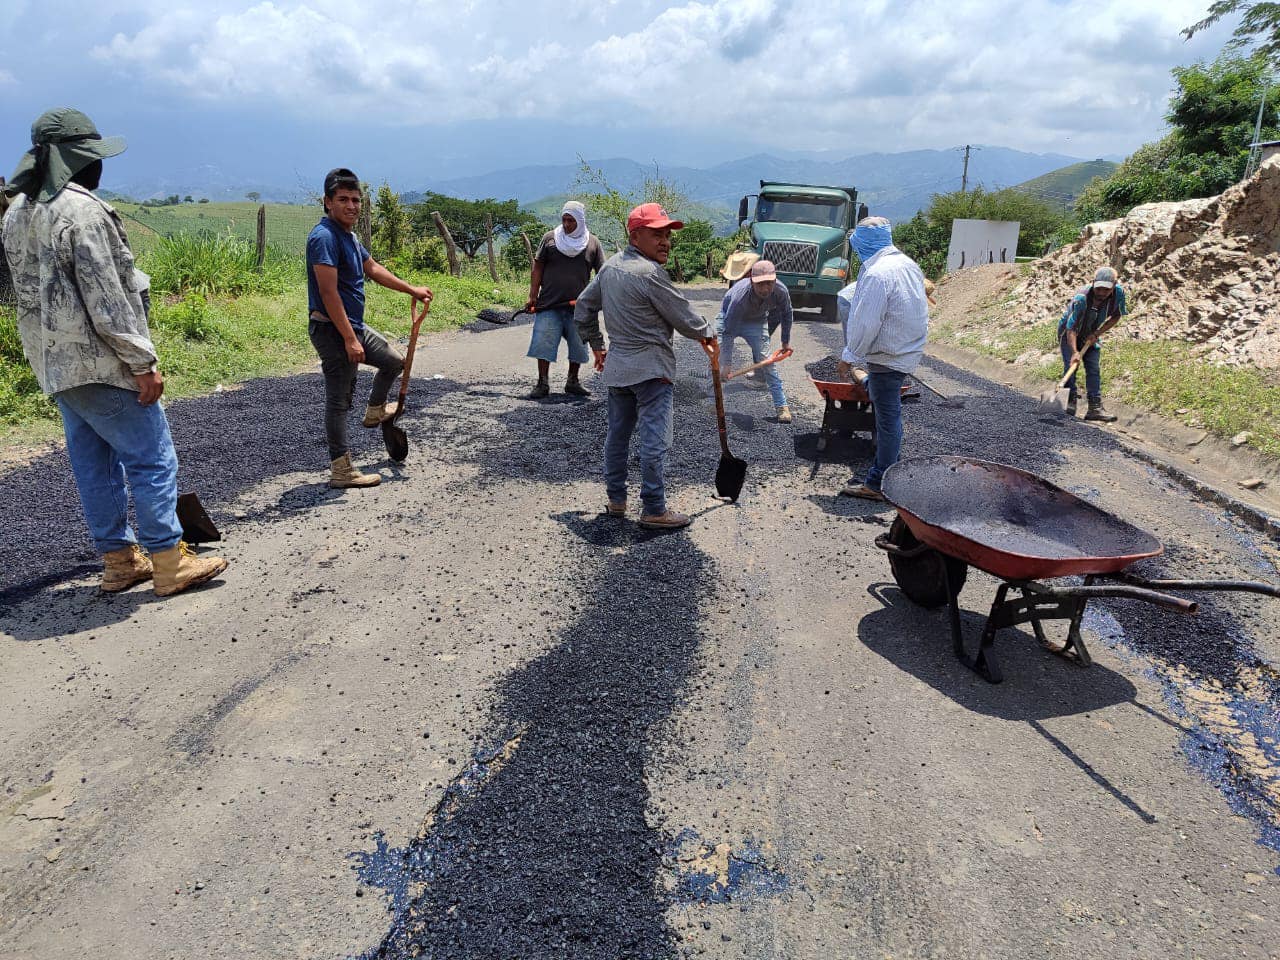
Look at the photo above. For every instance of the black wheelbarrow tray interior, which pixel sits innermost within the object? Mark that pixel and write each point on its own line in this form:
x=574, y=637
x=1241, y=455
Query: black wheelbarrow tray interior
x=957, y=512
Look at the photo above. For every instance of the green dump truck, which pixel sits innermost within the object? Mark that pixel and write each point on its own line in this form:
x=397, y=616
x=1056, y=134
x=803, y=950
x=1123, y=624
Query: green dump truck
x=804, y=230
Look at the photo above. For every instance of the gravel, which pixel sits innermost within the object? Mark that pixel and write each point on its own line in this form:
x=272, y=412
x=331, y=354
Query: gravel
x=824, y=370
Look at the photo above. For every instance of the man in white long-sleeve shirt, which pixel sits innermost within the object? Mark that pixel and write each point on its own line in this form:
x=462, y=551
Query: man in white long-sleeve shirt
x=886, y=333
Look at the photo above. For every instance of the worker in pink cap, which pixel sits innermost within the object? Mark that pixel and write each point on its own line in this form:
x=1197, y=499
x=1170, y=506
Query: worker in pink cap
x=642, y=310
x=751, y=309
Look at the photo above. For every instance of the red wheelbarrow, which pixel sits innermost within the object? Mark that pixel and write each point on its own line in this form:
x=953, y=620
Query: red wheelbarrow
x=848, y=408
x=957, y=512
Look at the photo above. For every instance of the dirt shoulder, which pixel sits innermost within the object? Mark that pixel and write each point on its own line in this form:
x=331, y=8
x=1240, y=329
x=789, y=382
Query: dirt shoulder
x=978, y=325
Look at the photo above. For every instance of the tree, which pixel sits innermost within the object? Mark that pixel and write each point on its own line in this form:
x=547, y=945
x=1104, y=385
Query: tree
x=1259, y=24
x=467, y=220
x=391, y=227
x=1212, y=114
x=253, y=196
x=609, y=206
x=514, y=254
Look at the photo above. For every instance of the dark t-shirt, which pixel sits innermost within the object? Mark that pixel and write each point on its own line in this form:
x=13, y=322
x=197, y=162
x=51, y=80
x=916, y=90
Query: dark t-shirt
x=563, y=278
x=331, y=246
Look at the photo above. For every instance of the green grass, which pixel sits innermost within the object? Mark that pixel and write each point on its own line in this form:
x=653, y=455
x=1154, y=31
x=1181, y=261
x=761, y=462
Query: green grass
x=287, y=223
x=1163, y=376
x=204, y=341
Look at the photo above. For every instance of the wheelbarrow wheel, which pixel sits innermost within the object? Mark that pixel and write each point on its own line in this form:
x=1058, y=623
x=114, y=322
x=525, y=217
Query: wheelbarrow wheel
x=922, y=577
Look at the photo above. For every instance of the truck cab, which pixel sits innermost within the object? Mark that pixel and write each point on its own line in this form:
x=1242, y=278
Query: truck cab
x=804, y=230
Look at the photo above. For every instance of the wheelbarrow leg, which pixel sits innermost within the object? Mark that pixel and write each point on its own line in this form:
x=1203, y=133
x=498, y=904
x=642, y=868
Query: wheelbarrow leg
x=984, y=662
x=1073, y=648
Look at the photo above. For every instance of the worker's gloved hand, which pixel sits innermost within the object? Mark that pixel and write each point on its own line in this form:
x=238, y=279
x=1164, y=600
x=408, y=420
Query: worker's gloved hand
x=600, y=357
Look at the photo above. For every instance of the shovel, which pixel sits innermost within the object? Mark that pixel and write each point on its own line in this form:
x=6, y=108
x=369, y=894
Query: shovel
x=732, y=472
x=952, y=403
x=775, y=358
x=393, y=436
x=1053, y=403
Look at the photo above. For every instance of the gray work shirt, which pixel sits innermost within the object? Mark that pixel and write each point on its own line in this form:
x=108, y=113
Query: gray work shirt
x=642, y=309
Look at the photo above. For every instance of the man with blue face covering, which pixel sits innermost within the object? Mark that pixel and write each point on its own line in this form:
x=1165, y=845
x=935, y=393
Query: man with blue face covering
x=886, y=332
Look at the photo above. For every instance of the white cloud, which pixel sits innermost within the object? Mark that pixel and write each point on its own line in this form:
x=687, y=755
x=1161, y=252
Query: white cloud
x=798, y=74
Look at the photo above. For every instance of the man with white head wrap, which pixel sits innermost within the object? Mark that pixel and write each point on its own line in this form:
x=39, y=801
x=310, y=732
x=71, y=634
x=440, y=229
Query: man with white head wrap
x=561, y=270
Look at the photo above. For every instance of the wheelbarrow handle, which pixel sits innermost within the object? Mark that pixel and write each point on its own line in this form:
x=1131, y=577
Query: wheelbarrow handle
x=894, y=550
x=1241, y=586
x=1125, y=592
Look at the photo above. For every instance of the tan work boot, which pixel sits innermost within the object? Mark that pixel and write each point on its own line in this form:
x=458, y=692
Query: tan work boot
x=376, y=414
x=342, y=474
x=178, y=568
x=667, y=521
x=616, y=509
x=122, y=568
x=784, y=414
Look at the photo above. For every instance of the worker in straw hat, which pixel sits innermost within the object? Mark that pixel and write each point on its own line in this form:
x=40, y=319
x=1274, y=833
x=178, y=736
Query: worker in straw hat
x=82, y=316
x=1095, y=309
x=751, y=309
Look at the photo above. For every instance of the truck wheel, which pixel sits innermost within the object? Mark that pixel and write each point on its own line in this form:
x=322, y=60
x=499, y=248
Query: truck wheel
x=829, y=311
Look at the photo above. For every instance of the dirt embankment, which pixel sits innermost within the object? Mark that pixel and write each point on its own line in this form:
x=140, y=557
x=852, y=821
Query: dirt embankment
x=1204, y=271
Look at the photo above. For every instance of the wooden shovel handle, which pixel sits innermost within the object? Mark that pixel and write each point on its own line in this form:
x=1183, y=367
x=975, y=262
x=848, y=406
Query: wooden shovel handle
x=715, y=379
x=416, y=318
x=778, y=356
x=1075, y=364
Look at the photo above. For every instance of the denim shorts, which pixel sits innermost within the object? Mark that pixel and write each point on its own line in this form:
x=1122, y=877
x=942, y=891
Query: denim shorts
x=549, y=327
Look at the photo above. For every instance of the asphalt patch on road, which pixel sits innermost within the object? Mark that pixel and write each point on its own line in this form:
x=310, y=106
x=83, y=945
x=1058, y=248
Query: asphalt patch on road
x=542, y=848
x=227, y=443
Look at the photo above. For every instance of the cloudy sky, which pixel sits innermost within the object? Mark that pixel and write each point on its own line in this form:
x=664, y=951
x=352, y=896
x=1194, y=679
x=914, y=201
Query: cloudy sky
x=274, y=91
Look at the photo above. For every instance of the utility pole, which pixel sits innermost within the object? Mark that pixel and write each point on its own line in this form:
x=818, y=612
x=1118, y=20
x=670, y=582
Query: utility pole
x=1255, y=151
x=964, y=177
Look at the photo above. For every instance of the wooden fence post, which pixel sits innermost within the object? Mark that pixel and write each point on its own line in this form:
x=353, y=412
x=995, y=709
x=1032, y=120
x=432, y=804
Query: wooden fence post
x=528, y=248
x=488, y=245
x=262, y=236
x=711, y=264
x=679, y=273
x=449, y=248
x=365, y=224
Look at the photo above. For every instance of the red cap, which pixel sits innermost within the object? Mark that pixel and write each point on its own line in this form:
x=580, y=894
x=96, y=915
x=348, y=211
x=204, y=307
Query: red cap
x=651, y=215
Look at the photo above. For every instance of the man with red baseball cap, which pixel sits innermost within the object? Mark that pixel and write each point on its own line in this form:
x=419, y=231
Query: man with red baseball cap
x=642, y=310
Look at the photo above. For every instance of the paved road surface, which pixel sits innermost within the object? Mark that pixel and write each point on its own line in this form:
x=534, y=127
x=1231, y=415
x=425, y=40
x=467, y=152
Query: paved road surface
x=463, y=715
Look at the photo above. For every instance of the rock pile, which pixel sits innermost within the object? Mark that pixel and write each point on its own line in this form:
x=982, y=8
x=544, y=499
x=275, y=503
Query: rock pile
x=1206, y=271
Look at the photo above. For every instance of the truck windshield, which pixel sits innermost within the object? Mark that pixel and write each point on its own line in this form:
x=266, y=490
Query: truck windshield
x=819, y=211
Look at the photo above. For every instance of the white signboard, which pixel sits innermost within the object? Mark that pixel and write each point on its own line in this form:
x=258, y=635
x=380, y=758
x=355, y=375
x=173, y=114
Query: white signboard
x=975, y=242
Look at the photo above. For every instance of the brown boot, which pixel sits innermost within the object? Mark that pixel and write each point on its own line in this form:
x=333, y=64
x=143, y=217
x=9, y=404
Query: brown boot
x=666, y=521
x=784, y=414
x=376, y=414
x=178, y=568
x=342, y=474
x=124, y=567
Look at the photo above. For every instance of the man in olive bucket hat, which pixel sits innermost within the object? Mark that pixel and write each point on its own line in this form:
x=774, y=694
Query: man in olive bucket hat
x=82, y=316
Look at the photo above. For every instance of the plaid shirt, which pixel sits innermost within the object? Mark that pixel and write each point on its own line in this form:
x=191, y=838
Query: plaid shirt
x=1085, y=319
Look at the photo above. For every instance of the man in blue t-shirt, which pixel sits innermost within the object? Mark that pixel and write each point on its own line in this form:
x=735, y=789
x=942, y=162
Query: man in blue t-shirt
x=1092, y=312
x=337, y=264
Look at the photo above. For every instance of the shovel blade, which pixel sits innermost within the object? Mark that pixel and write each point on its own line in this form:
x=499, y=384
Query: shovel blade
x=730, y=476
x=1053, y=403
x=396, y=440
x=194, y=520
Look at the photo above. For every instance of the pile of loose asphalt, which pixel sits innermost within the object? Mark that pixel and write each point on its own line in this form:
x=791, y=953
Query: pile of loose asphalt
x=545, y=850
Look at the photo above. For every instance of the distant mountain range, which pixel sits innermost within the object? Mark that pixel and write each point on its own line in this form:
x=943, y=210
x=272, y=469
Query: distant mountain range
x=894, y=185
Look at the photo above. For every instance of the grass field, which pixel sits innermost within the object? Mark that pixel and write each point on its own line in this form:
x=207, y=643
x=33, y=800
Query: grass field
x=287, y=224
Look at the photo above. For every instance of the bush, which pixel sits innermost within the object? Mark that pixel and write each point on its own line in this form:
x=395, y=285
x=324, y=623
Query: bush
x=189, y=318
x=210, y=264
x=21, y=399
x=424, y=254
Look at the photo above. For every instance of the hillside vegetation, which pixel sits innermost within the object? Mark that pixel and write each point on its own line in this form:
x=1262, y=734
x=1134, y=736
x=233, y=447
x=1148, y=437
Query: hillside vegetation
x=1066, y=183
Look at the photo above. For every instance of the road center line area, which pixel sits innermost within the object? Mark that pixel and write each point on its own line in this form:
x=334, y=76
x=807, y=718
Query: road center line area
x=466, y=714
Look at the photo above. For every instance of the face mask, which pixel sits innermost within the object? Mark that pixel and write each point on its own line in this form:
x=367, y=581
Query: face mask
x=868, y=241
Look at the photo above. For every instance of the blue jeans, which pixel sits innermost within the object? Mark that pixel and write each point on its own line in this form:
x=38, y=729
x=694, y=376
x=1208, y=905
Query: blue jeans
x=886, y=401
x=549, y=328
x=1092, y=363
x=647, y=405
x=757, y=339
x=111, y=438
